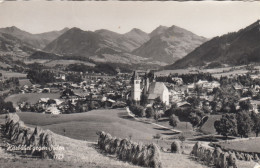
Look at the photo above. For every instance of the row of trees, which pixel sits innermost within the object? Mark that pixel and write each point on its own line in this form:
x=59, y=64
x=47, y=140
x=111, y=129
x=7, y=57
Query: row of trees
x=99, y=68
x=6, y=107
x=156, y=111
x=187, y=78
x=40, y=76
x=188, y=114
x=9, y=83
x=242, y=123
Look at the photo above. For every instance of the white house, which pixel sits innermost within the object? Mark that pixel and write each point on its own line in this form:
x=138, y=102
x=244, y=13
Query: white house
x=52, y=110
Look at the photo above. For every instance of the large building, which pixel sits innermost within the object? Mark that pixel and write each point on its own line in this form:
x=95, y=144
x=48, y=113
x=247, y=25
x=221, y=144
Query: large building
x=141, y=85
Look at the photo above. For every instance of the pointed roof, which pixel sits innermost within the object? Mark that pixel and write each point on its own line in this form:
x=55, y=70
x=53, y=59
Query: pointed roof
x=136, y=76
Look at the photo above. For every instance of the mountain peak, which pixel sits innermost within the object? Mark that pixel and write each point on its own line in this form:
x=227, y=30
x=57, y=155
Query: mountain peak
x=12, y=30
x=159, y=30
x=75, y=29
x=135, y=31
x=64, y=29
x=167, y=44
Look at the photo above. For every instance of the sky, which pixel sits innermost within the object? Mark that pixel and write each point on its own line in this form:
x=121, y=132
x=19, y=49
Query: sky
x=208, y=19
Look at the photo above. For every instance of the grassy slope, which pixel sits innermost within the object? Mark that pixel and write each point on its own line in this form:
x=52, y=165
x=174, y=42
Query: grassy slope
x=8, y=74
x=83, y=154
x=31, y=97
x=23, y=82
x=250, y=145
x=53, y=63
x=208, y=127
x=84, y=125
x=185, y=127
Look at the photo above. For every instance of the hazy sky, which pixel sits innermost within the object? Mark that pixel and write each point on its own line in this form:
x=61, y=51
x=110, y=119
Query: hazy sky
x=207, y=19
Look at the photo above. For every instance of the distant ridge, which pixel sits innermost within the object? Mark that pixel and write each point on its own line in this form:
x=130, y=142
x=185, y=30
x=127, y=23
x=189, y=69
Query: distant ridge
x=37, y=41
x=237, y=48
x=168, y=44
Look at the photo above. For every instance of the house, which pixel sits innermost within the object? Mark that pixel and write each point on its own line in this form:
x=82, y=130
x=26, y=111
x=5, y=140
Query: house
x=52, y=110
x=46, y=90
x=209, y=86
x=184, y=104
x=191, y=87
x=238, y=87
x=177, y=80
x=257, y=88
x=255, y=104
x=201, y=82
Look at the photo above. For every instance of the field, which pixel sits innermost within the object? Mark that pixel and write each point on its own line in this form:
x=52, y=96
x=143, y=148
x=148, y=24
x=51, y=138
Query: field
x=66, y=63
x=216, y=72
x=249, y=145
x=4, y=65
x=208, y=126
x=31, y=97
x=8, y=74
x=84, y=126
x=185, y=127
x=167, y=72
x=23, y=82
x=40, y=61
x=231, y=73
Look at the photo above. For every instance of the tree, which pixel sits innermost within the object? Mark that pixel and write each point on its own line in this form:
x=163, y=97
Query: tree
x=170, y=111
x=158, y=104
x=245, y=105
x=40, y=76
x=144, y=100
x=194, y=101
x=228, y=97
x=216, y=106
x=182, y=138
x=227, y=125
x=67, y=93
x=157, y=115
x=149, y=112
x=137, y=110
x=256, y=123
x=194, y=119
x=173, y=121
x=76, y=78
x=6, y=107
x=244, y=123
x=206, y=107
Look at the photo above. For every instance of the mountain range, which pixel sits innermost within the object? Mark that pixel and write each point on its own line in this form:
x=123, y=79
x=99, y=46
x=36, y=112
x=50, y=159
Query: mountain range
x=37, y=41
x=168, y=44
x=164, y=45
x=172, y=46
x=237, y=48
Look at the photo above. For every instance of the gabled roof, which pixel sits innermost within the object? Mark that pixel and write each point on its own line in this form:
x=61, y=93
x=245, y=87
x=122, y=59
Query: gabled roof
x=152, y=96
x=157, y=88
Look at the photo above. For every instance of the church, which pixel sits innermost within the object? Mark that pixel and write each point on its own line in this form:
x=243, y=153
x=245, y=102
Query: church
x=141, y=85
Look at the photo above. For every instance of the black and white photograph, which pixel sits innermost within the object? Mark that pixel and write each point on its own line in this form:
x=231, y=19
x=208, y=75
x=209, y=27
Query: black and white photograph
x=129, y=84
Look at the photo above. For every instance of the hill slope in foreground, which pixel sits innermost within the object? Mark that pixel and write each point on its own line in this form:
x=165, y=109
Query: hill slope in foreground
x=79, y=153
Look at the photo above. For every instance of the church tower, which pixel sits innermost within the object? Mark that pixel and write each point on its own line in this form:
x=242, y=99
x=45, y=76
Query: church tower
x=136, y=87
